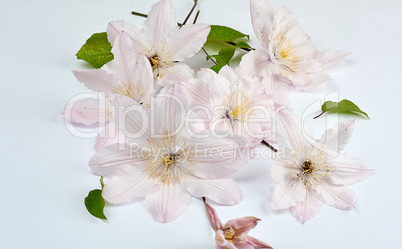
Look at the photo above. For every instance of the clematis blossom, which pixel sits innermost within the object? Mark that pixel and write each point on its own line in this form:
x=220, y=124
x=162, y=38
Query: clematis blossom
x=163, y=164
x=237, y=105
x=163, y=42
x=314, y=173
x=234, y=233
x=127, y=74
x=287, y=50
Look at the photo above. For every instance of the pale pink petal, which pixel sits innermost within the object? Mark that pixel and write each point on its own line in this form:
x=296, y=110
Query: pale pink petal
x=178, y=73
x=231, y=79
x=213, y=217
x=292, y=126
x=161, y=23
x=187, y=41
x=97, y=80
x=335, y=139
x=84, y=111
x=346, y=170
x=218, y=157
x=198, y=91
x=254, y=242
x=170, y=111
x=243, y=225
x=115, y=28
x=309, y=207
x=277, y=88
x=133, y=117
x=254, y=63
x=168, y=202
x=123, y=189
x=131, y=70
x=243, y=245
x=108, y=136
x=116, y=159
x=339, y=197
x=329, y=57
x=286, y=194
x=222, y=191
x=262, y=15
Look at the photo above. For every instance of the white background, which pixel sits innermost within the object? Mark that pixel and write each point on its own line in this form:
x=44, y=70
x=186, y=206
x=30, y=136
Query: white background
x=44, y=173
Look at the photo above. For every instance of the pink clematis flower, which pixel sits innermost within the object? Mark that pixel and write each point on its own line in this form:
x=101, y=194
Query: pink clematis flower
x=287, y=51
x=163, y=42
x=163, y=164
x=237, y=105
x=127, y=75
x=312, y=173
x=234, y=233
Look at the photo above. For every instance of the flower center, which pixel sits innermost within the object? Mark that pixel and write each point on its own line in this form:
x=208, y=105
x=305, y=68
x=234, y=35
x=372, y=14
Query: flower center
x=167, y=160
x=307, y=167
x=154, y=60
x=170, y=159
x=237, y=107
x=285, y=53
x=230, y=234
x=160, y=60
x=311, y=166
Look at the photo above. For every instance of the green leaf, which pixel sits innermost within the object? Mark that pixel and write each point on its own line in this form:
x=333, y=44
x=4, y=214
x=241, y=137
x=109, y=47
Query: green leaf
x=242, y=44
x=227, y=53
x=97, y=50
x=344, y=106
x=218, y=67
x=95, y=203
x=223, y=33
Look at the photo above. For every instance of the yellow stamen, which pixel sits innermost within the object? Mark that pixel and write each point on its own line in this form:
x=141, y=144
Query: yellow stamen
x=285, y=53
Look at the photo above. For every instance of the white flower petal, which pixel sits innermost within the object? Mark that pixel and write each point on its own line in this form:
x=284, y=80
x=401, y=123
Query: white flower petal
x=115, y=28
x=329, y=57
x=254, y=63
x=335, y=139
x=85, y=111
x=97, y=80
x=339, y=197
x=346, y=170
x=287, y=194
x=222, y=191
x=160, y=24
x=177, y=73
x=187, y=41
x=168, y=202
x=309, y=207
x=123, y=189
x=262, y=15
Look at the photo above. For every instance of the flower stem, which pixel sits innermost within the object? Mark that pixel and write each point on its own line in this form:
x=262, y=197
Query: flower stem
x=139, y=14
x=191, y=12
x=234, y=44
x=269, y=146
x=318, y=115
x=196, y=16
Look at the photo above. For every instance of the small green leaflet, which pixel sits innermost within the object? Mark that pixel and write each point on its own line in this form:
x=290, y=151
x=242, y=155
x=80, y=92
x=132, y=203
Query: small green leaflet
x=223, y=58
x=95, y=203
x=344, y=106
x=226, y=34
x=96, y=50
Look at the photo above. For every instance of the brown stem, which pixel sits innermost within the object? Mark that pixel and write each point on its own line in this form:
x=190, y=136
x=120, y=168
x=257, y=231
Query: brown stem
x=318, y=115
x=196, y=17
x=210, y=58
x=234, y=44
x=139, y=14
x=269, y=146
x=203, y=199
x=191, y=12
